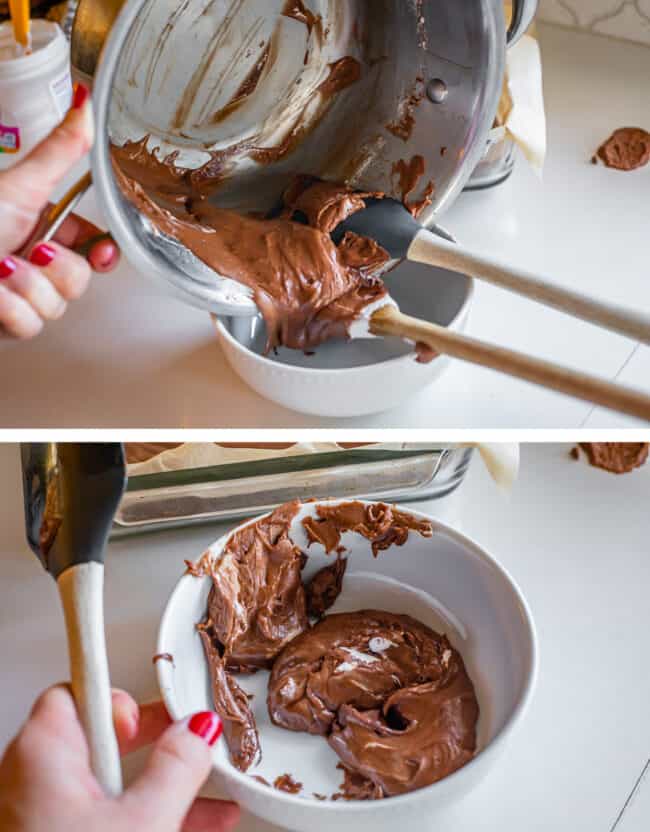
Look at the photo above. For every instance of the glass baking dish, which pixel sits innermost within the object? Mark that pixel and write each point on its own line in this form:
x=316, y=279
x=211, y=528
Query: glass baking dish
x=190, y=496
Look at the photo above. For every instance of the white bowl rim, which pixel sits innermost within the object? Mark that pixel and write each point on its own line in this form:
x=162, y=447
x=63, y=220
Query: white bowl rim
x=291, y=368
x=164, y=670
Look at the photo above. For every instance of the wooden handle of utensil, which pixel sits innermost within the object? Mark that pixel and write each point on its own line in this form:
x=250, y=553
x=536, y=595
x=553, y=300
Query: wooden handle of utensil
x=389, y=321
x=433, y=250
x=82, y=594
x=53, y=216
x=20, y=20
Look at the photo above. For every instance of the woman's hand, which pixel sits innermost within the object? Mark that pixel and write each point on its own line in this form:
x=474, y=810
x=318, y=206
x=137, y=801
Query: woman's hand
x=38, y=289
x=46, y=782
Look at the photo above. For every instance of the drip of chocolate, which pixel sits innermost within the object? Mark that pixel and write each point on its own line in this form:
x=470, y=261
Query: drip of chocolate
x=409, y=174
x=616, y=457
x=383, y=525
x=626, y=149
x=308, y=289
x=325, y=587
x=231, y=703
x=392, y=697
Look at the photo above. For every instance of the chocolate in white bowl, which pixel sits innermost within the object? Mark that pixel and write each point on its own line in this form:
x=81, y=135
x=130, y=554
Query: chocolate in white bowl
x=358, y=377
x=448, y=583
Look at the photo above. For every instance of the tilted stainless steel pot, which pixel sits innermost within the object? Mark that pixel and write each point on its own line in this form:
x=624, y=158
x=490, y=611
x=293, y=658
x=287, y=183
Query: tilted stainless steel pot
x=170, y=69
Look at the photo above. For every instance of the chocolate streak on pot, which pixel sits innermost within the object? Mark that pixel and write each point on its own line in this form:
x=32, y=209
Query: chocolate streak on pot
x=297, y=10
x=409, y=174
x=307, y=289
x=247, y=88
x=403, y=125
x=392, y=697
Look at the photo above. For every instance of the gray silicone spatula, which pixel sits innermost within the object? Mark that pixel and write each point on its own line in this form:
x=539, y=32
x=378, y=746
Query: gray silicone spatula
x=393, y=227
x=71, y=493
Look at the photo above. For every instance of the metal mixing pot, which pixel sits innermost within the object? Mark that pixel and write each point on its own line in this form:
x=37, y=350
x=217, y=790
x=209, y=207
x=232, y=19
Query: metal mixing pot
x=201, y=77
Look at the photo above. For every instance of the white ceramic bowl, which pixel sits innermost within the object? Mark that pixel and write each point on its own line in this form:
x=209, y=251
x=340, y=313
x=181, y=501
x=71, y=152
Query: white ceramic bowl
x=450, y=583
x=359, y=377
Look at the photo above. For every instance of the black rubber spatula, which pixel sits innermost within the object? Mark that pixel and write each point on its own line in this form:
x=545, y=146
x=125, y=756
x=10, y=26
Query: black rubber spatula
x=391, y=225
x=71, y=493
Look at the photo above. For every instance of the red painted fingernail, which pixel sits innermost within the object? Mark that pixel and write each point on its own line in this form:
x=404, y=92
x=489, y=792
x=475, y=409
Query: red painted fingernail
x=42, y=255
x=80, y=96
x=7, y=267
x=206, y=725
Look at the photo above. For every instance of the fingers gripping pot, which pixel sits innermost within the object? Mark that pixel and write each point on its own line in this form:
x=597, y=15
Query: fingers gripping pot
x=339, y=89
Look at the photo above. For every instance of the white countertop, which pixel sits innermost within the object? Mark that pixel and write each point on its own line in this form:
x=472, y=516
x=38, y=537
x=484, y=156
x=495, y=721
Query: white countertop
x=574, y=538
x=128, y=356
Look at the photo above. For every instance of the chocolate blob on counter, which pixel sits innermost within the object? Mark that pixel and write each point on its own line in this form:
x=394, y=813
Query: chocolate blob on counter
x=392, y=697
x=626, y=149
x=616, y=457
x=307, y=288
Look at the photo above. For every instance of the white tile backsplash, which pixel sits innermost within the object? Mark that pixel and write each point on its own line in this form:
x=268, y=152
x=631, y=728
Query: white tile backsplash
x=625, y=19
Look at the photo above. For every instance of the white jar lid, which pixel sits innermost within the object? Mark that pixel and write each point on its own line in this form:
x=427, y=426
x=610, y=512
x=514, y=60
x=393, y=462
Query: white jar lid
x=48, y=43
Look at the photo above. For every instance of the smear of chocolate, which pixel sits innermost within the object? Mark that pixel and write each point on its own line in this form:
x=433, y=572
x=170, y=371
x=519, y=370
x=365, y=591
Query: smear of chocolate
x=257, y=601
x=231, y=703
x=298, y=11
x=261, y=780
x=403, y=125
x=163, y=657
x=325, y=587
x=392, y=697
x=246, y=89
x=616, y=457
x=357, y=787
x=286, y=783
x=256, y=605
x=626, y=149
x=383, y=525
x=342, y=74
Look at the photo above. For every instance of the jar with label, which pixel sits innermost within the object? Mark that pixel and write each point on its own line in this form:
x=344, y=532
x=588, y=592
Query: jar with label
x=35, y=89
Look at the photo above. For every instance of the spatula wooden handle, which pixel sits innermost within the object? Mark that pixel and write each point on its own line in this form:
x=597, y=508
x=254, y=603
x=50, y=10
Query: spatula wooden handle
x=389, y=321
x=434, y=251
x=82, y=594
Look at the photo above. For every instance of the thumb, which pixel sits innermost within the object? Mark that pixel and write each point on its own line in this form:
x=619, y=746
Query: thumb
x=25, y=188
x=177, y=768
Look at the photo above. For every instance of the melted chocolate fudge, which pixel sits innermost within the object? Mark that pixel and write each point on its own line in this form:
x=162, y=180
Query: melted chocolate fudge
x=391, y=696
x=354, y=678
x=307, y=288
